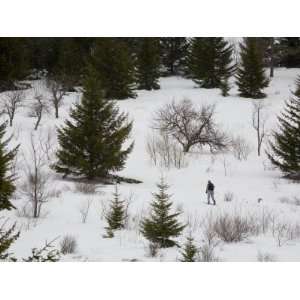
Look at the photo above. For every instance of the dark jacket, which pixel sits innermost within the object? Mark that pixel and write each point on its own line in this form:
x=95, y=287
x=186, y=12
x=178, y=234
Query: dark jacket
x=210, y=187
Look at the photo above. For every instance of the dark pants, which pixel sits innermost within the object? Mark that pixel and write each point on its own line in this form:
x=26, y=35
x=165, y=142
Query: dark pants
x=210, y=194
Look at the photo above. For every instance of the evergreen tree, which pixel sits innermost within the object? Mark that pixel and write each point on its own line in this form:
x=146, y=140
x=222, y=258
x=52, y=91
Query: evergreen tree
x=115, y=68
x=91, y=143
x=148, y=64
x=190, y=251
x=251, y=77
x=117, y=213
x=13, y=62
x=290, y=52
x=7, y=238
x=161, y=226
x=210, y=62
x=285, y=150
x=174, y=52
x=7, y=187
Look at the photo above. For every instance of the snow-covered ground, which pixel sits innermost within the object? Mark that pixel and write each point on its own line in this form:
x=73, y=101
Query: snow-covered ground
x=247, y=180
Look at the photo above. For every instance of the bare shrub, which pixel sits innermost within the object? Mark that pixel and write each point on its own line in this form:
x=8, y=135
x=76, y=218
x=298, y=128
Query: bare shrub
x=84, y=209
x=12, y=102
x=189, y=126
x=68, y=245
x=36, y=185
x=57, y=91
x=165, y=152
x=208, y=230
x=228, y=197
x=240, y=148
x=282, y=233
x=127, y=202
x=47, y=144
x=296, y=201
x=25, y=211
x=234, y=228
x=207, y=253
x=152, y=250
x=265, y=257
x=266, y=220
x=286, y=200
x=194, y=222
x=85, y=188
x=39, y=106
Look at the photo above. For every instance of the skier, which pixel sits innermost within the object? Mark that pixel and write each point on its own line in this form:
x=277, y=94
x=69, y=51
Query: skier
x=210, y=192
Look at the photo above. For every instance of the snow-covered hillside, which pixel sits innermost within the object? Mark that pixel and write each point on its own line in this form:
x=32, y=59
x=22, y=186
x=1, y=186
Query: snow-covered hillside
x=248, y=180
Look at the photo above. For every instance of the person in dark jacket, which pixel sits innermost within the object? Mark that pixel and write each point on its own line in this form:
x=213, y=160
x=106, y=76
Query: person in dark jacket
x=210, y=188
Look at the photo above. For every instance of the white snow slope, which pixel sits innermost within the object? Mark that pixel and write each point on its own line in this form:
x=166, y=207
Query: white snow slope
x=247, y=180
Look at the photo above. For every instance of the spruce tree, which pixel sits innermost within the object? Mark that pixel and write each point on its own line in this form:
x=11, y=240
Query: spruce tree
x=7, y=187
x=251, y=77
x=91, y=142
x=285, y=149
x=13, y=62
x=7, y=238
x=190, y=251
x=115, y=67
x=210, y=62
x=117, y=213
x=174, y=52
x=148, y=64
x=161, y=225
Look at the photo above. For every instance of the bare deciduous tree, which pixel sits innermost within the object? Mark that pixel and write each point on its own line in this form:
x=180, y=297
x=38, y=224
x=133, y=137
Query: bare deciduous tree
x=12, y=101
x=36, y=184
x=47, y=144
x=259, y=120
x=57, y=91
x=38, y=107
x=189, y=126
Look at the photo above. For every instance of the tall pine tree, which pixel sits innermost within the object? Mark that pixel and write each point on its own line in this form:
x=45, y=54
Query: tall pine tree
x=210, y=62
x=174, y=52
x=251, y=77
x=148, y=64
x=13, y=62
x=115, y=67
x=91, y=142
x=161, y=225
x=285, y=149
x=7, y=187
x=7, y=236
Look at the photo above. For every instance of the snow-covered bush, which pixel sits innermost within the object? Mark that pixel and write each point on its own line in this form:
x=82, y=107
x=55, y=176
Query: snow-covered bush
x=228, y=197
x=165, y=152
x=235, y=228
x=240, y=148
x=68, y=244
x=265, y=257
x=152, y=250
x=207, y=253
x=85, y=188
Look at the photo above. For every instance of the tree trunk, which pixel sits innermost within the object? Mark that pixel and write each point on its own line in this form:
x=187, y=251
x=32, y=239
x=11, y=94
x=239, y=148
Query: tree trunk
x=56, y=111
x=186, y=148
x=272, y=59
